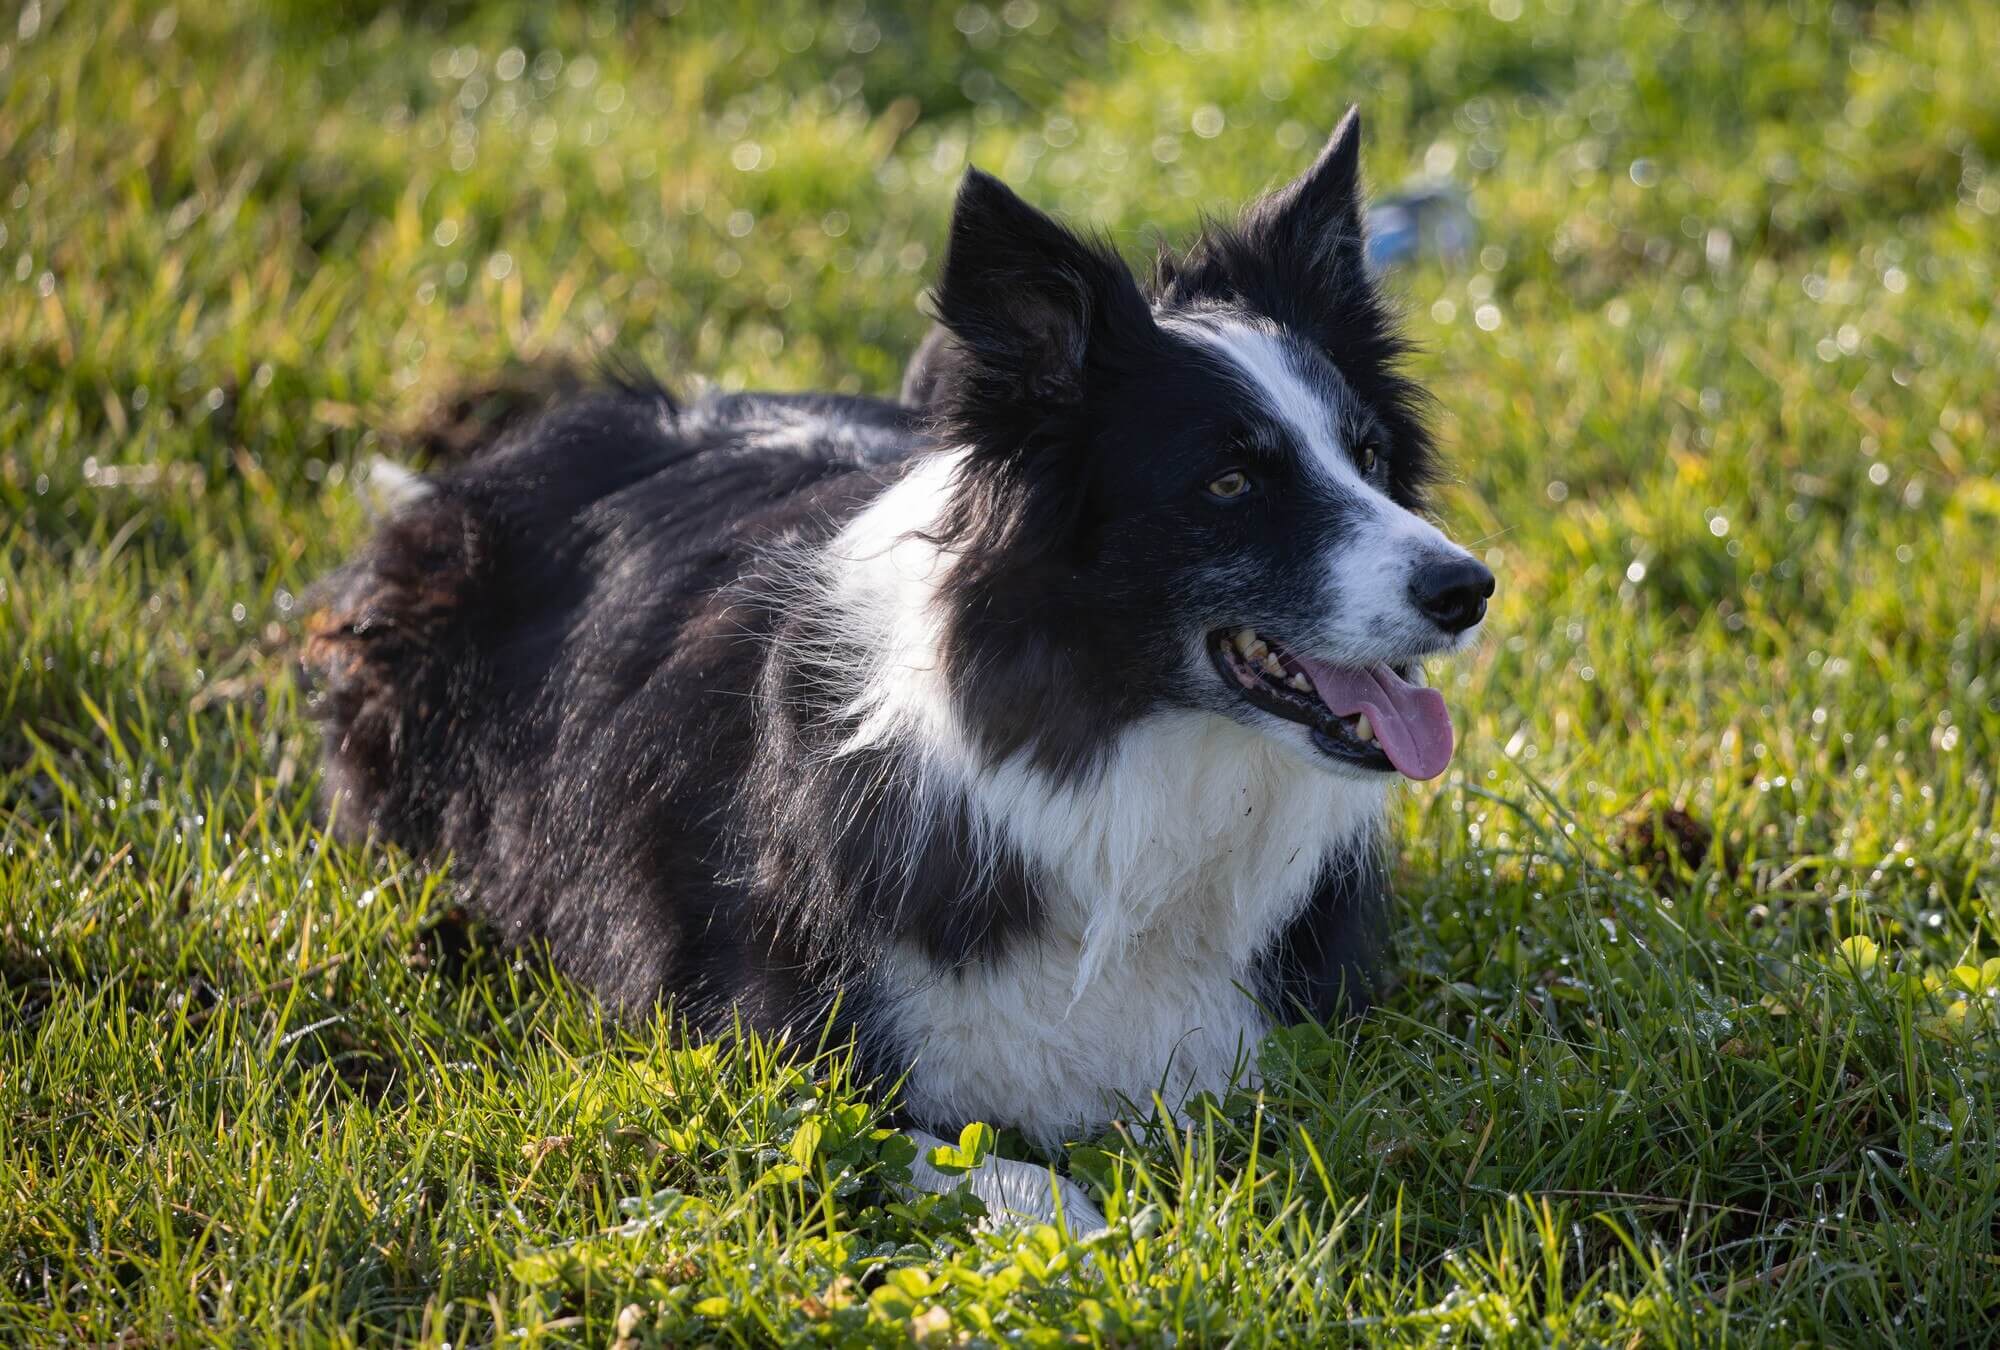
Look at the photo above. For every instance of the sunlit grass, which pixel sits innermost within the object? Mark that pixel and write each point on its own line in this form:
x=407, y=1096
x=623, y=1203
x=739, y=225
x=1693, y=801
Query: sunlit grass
x=1695, y=1033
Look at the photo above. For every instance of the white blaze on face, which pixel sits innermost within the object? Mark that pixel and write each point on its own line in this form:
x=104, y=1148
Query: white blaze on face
x=1369, y=616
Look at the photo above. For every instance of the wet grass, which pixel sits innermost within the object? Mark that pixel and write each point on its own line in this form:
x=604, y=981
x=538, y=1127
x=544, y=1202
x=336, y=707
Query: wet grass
x=1695, y=1037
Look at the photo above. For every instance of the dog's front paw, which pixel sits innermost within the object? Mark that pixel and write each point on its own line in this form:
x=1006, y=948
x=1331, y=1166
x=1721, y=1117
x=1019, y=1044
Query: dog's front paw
x=1011, y=1191
x=1080, y=1214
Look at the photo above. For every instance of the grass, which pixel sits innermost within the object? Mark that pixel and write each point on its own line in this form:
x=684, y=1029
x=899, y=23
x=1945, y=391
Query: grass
x=1695, y=1038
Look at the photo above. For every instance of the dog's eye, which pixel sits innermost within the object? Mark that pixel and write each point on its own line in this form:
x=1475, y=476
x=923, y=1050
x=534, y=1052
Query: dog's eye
x=1228, y=486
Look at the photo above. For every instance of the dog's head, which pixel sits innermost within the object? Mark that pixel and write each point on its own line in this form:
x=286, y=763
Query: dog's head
x=1206, y=492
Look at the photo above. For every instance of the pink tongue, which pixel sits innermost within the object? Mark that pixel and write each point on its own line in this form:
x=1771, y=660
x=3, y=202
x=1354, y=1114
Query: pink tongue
x=1410, y=721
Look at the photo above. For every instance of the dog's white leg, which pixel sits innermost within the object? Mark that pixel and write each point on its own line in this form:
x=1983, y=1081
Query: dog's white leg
x=1007, y=1187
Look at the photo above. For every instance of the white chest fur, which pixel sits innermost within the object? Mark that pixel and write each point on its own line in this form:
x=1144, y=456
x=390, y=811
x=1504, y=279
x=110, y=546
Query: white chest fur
x=1166, y=879
x=1011, y=1045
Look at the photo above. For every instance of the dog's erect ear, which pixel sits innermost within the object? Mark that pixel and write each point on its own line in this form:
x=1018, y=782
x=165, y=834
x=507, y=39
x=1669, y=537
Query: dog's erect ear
x=1040, y=321
x=1030, y=303
x=1295, y=254
x=1317, y=216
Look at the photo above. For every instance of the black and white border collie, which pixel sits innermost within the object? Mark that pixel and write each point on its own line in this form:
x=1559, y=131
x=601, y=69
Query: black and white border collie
x=1037, y=738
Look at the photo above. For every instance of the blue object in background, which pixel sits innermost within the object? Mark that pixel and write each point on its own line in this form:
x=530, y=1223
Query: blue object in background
x=1431, y=221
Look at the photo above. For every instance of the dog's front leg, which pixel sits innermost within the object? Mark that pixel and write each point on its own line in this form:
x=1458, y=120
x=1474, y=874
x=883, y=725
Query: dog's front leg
x=1005, y=1187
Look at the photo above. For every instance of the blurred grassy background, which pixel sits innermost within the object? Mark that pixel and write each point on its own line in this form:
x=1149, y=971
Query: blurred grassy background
x=1696, y=1031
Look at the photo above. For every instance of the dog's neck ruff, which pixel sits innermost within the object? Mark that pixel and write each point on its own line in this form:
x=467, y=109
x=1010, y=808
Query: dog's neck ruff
x=1194, y=837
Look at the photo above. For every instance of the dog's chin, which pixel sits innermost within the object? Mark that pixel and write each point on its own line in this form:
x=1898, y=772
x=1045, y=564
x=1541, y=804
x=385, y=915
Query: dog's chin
x=1313, y=750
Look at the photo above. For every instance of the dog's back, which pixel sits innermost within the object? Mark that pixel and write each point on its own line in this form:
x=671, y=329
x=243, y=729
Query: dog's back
x=541, y=664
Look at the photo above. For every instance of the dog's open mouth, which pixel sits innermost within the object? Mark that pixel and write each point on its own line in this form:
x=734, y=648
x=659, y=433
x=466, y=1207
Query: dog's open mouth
x=1374, y=717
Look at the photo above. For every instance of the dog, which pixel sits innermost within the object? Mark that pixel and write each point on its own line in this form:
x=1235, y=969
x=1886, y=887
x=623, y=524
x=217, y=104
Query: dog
x=1034, y=736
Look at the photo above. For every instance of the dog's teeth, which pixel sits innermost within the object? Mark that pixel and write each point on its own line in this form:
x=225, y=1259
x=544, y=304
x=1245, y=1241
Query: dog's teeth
x=1273, y=666
x=1244, y=639
x=1362, y=731
x=1300, y=683
x=1259, y=649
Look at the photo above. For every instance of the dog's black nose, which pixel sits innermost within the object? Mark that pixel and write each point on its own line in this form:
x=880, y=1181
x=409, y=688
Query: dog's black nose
x=1452, y=594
